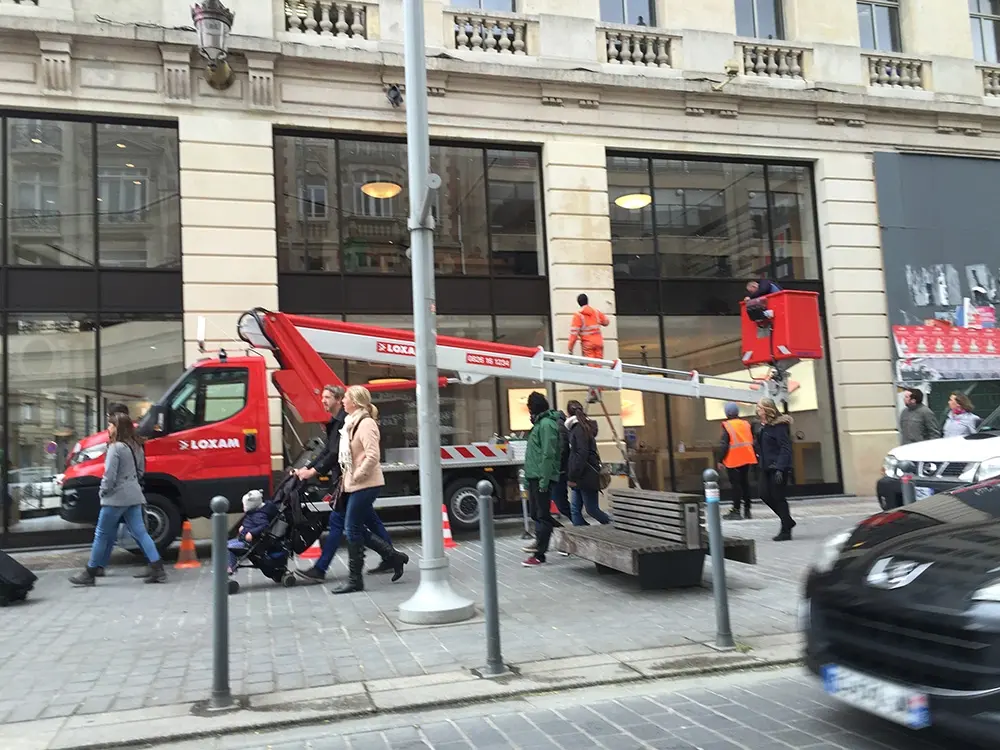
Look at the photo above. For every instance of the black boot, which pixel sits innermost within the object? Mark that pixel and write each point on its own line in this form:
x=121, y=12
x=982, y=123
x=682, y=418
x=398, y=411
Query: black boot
x=355, y=569
x=392, y=559
x=746, y=512
x=733, y=515
x=314, y=574
x=156, y=573
x=88, y=577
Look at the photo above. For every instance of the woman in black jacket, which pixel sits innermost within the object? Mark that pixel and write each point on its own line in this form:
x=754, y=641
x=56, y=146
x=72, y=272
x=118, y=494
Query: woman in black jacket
x=774, y=452
x=583, y=471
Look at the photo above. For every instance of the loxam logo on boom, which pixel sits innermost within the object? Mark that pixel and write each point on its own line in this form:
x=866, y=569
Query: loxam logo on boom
x=208, y=444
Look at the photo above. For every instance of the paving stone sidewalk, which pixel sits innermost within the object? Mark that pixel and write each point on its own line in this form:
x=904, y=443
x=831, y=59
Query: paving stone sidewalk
x=124, y=645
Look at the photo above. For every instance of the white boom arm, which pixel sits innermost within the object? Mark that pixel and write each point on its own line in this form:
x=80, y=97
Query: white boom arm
x=476, y=360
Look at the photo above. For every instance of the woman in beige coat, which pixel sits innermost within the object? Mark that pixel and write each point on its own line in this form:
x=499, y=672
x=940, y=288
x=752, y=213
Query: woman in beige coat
x=360, y=455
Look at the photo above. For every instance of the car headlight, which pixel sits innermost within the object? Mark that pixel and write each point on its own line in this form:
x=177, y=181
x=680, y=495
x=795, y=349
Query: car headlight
x=88, y=454
x=890, y=466
x=988, y=469
x=988, y=593
x=829, y=551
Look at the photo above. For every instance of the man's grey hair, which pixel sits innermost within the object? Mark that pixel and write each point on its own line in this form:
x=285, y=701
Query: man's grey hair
x=337, y=391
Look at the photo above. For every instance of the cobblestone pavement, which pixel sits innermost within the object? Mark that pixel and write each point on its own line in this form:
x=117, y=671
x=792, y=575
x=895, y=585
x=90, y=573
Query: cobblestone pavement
x=125, y=645
x=763, y=711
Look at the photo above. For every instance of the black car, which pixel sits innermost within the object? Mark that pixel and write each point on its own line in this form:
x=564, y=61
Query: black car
x=902, y=614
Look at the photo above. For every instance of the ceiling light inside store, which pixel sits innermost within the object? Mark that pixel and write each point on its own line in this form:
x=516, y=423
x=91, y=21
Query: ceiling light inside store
x=120, y=145
x=36, y=140
x=633, y=201
x=381, y=190
x=130, y=165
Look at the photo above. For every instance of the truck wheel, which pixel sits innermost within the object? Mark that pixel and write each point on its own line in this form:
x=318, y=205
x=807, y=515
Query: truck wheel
x=163, y=520
x=462, y=501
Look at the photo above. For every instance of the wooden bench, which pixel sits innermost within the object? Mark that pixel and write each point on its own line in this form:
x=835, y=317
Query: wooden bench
x=658, y=536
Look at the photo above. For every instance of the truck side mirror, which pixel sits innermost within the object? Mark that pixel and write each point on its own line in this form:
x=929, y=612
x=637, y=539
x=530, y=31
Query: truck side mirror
x=161, y=419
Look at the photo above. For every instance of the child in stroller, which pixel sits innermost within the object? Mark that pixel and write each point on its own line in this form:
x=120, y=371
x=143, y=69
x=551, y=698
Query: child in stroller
x=270, y=533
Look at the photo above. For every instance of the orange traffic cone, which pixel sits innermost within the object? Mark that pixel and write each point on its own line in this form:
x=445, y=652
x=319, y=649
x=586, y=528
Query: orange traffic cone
x=313, y=552
x=449, y=542
x=188, y=557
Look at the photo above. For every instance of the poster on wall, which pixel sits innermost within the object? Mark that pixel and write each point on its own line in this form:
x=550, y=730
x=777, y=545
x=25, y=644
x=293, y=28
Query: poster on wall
x=942, y=265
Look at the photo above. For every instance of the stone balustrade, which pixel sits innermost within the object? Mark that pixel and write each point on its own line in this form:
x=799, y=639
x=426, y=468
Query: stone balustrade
x=329, y=18
x=625, y=45
x=495, y=33
x=991, y=80
x=769, y=60
x=895, y=71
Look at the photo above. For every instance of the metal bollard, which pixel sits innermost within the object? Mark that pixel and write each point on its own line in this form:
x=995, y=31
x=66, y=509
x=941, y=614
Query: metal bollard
x=221, y=695
x=723, y=630
x=522, y=484
x=491, y=607
x=909, y=490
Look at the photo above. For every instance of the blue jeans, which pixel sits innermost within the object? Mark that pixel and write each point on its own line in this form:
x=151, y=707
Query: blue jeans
x=107, y=532
x=560, y=496
x=373, y=525
x=588, y=499
x=360, y=509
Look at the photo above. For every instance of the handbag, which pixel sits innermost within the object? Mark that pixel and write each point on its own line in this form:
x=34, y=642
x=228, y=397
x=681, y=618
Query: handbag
x=337, y=497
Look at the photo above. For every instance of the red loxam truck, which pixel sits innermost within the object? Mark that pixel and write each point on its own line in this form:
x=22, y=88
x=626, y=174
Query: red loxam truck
x=210, y=432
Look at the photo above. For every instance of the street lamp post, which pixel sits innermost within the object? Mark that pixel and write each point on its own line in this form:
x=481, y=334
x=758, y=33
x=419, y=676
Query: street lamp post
x=434, y=601
x=213, y=21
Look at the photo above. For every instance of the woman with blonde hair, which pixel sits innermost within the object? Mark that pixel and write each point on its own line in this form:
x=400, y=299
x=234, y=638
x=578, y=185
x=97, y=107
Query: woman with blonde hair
x=359, y=455
x=774, y=454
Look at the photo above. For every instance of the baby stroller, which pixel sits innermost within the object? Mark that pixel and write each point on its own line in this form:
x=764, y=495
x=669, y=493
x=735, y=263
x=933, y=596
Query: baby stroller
x=291, y=528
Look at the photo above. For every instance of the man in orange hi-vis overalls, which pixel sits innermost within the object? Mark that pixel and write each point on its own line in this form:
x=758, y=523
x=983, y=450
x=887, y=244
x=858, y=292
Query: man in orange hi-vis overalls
x=586, y=328
x=738, y=455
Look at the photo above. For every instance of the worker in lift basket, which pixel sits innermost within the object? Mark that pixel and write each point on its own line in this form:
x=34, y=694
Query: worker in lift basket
x=756, y=301
x=586, y=328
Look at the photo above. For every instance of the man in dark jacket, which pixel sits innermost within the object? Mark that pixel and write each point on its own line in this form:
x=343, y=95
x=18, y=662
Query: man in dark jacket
x=917, y=421
x=541, y=470
x=327, y=464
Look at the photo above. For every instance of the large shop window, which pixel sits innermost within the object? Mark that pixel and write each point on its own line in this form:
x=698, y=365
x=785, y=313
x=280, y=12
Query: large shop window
x=343, y=207
x=706, y=219
x=671, y=451
x=72, y=185
x=55, y=397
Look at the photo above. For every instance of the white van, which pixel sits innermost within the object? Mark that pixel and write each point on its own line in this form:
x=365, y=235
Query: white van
x=943, y=464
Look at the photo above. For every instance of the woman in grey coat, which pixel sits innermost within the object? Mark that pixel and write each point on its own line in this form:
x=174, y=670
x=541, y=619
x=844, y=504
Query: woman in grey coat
x=961, y=420
x=121, y=498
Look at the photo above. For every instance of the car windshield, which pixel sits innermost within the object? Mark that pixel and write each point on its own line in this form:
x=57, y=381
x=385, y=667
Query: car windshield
x=991, y=423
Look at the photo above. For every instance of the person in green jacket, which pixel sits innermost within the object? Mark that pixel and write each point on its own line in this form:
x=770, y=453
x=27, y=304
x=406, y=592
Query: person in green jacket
x=541, y=469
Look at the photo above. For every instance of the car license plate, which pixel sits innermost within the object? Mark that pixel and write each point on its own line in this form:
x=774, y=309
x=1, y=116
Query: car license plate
x=922, y=492
x=886, y=699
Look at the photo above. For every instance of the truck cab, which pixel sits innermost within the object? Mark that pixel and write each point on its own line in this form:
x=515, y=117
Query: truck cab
x=208, y=435
x=944, y=464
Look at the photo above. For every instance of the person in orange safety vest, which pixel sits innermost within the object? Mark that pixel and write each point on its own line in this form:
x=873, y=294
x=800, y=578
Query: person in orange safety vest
x=738, y=455
x=586, y=327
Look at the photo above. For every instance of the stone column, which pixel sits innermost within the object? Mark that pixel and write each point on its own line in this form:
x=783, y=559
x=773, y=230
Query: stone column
x=857, y=317
x=578, y=234
x=938, y=31
x=228, y=234
x=708, y=33
x=829, y=29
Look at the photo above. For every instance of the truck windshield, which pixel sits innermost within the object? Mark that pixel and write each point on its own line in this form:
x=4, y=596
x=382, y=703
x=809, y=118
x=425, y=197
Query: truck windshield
x=147, y=424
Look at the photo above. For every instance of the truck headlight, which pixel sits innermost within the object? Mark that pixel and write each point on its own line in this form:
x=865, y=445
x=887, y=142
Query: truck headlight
x=988, y=469
x=829, y=551
x=890, y=466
